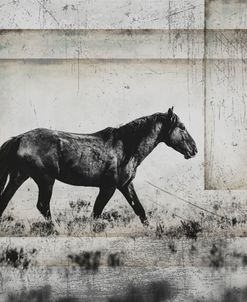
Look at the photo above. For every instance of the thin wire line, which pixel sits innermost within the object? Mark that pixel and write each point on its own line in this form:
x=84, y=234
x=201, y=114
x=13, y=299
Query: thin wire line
x=173, y=214
x=186, y=201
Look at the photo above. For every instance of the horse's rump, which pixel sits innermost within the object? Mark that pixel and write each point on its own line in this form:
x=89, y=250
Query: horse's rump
x=7, y=159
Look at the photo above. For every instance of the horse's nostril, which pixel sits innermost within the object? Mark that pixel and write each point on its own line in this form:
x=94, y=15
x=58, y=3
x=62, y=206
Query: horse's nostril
x=194, y=151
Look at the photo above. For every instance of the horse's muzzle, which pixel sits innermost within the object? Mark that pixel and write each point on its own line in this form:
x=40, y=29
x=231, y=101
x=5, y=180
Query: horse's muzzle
x=191, y=153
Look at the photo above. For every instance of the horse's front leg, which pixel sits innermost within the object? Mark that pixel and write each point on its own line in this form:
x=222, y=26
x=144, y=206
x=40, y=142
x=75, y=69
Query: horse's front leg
x=103, y=197
x=129, y=193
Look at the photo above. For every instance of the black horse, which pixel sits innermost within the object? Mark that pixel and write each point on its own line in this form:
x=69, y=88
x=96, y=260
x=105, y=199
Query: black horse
x=107, y=159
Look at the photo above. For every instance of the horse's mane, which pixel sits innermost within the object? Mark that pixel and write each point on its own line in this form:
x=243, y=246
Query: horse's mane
x=106, y=133
x=133, y=132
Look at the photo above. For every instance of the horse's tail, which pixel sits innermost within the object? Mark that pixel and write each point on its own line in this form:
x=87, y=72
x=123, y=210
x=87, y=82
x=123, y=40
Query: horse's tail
x=7, y=159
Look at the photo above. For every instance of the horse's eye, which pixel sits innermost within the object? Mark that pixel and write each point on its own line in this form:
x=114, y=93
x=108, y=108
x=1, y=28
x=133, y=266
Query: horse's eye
x=182, y=127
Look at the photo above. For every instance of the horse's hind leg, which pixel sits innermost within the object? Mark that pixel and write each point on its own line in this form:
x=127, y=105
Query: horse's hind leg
x=15, y=181
x=45, y=185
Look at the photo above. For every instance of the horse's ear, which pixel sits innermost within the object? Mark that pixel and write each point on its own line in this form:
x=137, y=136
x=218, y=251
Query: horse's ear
x=170, y=111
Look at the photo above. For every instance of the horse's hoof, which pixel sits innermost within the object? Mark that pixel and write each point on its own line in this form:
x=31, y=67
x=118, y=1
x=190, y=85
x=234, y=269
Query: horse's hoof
x=145, y=223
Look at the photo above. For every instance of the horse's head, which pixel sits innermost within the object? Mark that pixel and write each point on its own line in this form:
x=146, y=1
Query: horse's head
x=177, y=136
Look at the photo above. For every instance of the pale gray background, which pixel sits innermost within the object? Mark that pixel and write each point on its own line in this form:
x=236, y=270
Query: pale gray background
x=99, y=76
x=129, y=59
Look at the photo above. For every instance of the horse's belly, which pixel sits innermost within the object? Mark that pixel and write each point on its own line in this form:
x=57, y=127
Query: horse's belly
x=82, y=176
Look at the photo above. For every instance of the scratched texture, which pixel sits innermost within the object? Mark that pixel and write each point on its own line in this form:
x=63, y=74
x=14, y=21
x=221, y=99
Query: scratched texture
x=81, y=66
x=225, y=95
x=98, y=14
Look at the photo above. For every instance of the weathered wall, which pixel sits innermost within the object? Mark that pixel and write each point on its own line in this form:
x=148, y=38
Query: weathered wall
x=81, y=66
x=225, y=95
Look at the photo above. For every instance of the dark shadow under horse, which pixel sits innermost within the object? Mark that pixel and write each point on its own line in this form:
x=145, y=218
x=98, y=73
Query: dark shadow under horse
x=107, y=159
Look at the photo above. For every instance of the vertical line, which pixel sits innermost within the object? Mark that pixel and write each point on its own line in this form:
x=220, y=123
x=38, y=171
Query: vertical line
x=205, y=92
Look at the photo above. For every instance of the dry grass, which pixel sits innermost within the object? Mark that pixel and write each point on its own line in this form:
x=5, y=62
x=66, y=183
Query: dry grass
x=76, y=221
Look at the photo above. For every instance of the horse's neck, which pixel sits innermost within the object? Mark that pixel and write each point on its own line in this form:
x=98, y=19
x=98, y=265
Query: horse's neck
x=149, y=142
